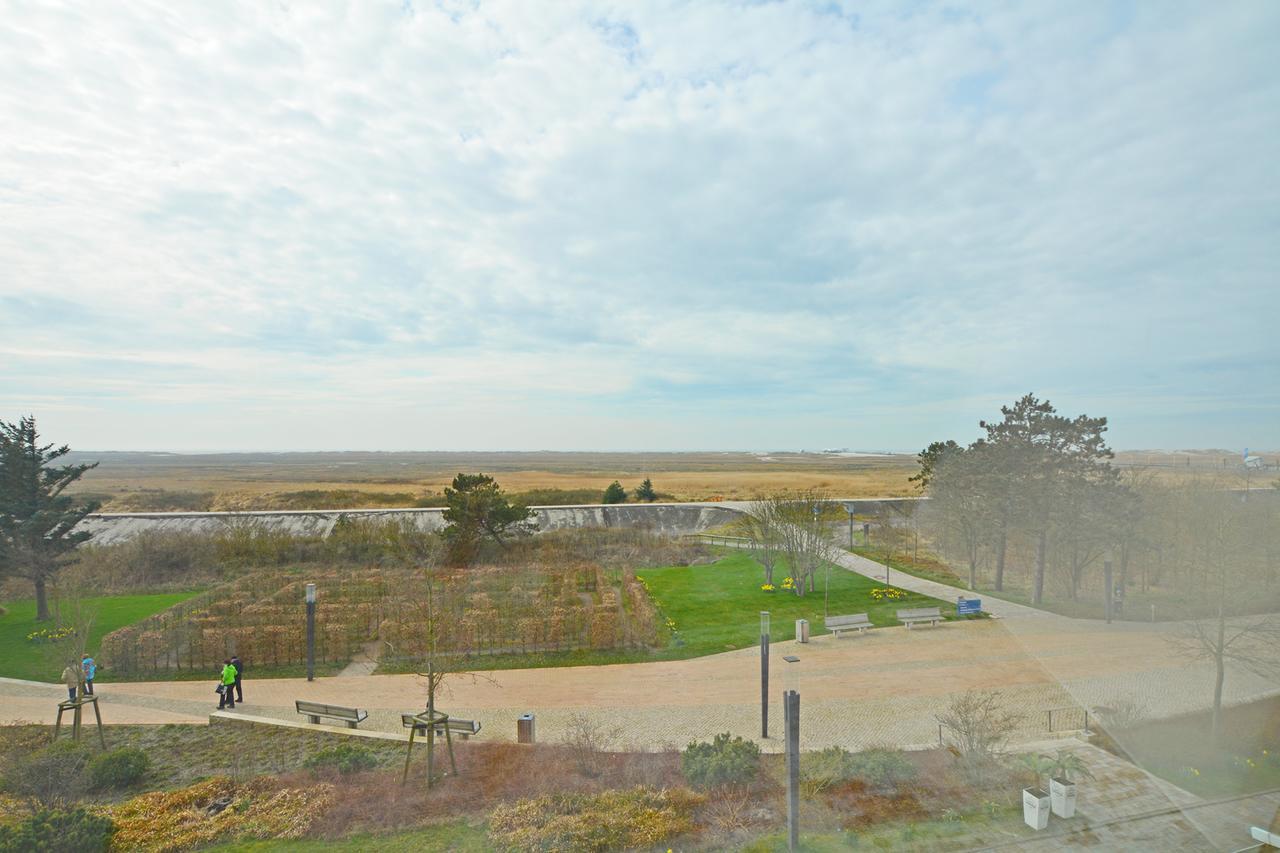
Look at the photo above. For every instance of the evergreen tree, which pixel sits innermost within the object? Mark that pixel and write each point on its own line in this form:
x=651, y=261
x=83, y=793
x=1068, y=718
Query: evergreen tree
x=645, y=492
x=477, y=508
x=36, y=516
x=615, y=494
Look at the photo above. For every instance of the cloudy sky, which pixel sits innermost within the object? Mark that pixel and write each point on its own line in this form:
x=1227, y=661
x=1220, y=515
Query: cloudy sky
x=456, y=225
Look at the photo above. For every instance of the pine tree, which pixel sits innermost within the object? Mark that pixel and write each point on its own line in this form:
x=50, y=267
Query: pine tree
x=477, y=508
x=615, y=494
x=645, y=492
x=36, y=516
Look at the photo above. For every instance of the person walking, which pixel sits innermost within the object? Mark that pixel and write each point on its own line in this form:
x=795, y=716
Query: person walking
x=239, y=665
x=72, y=676
x=89, y=668
x=227, y=684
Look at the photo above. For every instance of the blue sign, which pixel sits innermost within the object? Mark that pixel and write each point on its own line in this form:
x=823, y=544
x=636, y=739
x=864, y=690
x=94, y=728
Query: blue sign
x=968, y=606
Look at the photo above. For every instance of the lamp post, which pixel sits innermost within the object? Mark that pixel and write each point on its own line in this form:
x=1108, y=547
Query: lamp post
x=311, y=632
x=791, y=714
x=764, y=673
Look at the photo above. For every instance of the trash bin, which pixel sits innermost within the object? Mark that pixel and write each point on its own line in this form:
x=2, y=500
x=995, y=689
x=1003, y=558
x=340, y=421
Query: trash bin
x=524, y=729
x=802, y=630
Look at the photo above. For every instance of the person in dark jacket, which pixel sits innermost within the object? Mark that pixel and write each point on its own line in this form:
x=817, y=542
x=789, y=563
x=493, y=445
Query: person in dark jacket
x=239, y=665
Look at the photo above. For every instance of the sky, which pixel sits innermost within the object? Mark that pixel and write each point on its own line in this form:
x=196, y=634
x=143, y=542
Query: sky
x=651, y=226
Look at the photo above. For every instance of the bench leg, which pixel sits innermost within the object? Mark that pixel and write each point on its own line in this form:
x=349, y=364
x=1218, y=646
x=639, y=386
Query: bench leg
x=352, y=724
x=313, y=720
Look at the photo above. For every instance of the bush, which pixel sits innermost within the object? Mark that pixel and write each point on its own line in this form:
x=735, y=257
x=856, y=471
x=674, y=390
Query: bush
x=346, y=758
x=821, y=770
x=53, y=777
x=120, y=768
x=882, y=770
x=724, y=761
x=609, y=820
x=73, y=831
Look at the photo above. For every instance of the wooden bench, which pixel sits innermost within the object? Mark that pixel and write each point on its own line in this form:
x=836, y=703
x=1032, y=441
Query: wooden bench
x=932, y=615
x=855, y=622
x=462, y=728
x=353, y=717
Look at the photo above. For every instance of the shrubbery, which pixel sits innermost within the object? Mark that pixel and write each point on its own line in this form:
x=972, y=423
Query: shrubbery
x=120, y=768
x=53, y=776
x=610, y=820
x=71, y=831
x=724, y=761
x=346, y=758
x=881, y=769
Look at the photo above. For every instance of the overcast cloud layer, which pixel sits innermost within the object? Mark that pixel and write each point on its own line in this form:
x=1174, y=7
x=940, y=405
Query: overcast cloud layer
x=416, y=225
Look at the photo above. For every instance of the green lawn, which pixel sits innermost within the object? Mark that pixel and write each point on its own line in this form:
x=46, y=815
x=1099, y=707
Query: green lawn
x=717, y=607
x=21, y=658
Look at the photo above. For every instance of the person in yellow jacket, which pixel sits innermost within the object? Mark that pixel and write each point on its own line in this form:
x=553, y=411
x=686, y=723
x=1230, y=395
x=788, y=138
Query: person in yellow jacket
x=72, y=677
x=227, y=696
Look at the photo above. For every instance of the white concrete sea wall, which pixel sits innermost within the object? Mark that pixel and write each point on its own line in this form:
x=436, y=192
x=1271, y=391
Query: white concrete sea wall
x=667, y=518
x=674, y=519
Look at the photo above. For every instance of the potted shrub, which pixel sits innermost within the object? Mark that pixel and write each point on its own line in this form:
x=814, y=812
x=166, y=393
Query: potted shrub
x=1035, y=800
x=1062, y=788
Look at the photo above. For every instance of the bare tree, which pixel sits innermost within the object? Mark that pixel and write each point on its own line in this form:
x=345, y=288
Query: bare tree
x=980, y=728
x=1229, y=535
x=761, y=525
x=802, y=533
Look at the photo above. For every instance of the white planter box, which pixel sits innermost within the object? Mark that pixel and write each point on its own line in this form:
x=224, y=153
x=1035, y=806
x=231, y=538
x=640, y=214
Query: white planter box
x=1035, y=808
x=1062, y=797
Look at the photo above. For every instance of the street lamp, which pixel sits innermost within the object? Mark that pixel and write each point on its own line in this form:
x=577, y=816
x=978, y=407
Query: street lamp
x=311, y=632
x=791, y=714
x=764, y=673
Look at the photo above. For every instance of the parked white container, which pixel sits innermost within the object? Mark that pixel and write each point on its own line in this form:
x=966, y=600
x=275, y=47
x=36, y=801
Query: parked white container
x=1062, y=797
x=1035, y=807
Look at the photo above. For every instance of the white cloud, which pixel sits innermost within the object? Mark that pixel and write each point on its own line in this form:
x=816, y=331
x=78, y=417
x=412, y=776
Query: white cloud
x=546, y=214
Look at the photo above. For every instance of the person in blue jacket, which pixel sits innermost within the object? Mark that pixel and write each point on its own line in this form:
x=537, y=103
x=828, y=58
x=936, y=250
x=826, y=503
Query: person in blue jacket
x=90, y=668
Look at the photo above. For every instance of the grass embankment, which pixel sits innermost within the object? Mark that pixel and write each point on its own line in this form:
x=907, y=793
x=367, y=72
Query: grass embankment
x=23, y=658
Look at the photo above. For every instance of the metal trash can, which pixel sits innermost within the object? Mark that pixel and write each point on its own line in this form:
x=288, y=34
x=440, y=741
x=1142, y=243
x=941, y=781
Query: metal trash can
x=524, y=729
x=802, y=630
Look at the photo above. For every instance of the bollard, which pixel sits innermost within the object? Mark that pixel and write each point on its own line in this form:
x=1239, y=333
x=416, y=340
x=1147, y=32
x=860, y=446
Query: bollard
x=802, y=630
x=524, y=729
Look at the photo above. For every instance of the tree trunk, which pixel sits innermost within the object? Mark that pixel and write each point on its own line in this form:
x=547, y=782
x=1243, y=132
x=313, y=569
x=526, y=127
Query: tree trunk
x=973, y=565
x=1215, y=726
x=42, y=601
x=1041, y=545
x=1000, y=549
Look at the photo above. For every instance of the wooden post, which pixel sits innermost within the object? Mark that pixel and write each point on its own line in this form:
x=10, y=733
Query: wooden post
x=413, y=730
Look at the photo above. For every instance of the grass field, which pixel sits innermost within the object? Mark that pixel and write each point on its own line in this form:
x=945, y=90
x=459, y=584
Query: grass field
x=21, y=658
x=717, y=607
x=169, y=482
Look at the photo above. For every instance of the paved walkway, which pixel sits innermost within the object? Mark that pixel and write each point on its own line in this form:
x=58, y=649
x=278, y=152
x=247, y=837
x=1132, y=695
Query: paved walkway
x=883, y=687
